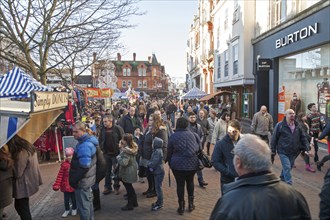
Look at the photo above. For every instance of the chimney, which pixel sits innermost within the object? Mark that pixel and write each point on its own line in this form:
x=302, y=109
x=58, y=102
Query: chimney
x=134, y=56
x=118, y=57
x=149, y=59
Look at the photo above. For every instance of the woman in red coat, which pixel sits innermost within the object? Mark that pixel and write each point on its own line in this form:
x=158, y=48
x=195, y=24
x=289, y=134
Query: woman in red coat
x=62, y=183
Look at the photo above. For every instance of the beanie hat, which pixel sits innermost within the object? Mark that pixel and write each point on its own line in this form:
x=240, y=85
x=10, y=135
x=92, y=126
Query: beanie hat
x=69, y=151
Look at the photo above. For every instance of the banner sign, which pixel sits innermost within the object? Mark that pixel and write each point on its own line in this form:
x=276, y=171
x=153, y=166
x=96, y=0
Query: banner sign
x=92, y=92
x=106, y=93
x=49, y=100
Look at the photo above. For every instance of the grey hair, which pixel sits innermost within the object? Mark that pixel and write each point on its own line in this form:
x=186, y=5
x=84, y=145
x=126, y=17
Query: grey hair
x=254, y=153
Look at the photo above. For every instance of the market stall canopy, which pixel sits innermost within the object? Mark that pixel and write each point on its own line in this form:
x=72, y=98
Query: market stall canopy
x=210, y=98
x=194, y=93
x=118, y=96
x=18, y=84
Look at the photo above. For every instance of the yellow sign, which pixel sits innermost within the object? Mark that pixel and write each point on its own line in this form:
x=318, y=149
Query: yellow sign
x=50, y=100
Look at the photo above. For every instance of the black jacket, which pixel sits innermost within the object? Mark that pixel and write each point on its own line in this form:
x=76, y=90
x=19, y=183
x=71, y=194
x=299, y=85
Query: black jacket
x=325, y=198
x=260, y=197
x=128, y=126
x=116, y=136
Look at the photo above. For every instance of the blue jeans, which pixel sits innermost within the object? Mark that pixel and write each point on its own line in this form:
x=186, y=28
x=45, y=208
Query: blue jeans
x=172, y=115
x=67, y=197
x=84, y=199
x=200, y=176
x=287, y=162
x=158, y=185
x=111, y=162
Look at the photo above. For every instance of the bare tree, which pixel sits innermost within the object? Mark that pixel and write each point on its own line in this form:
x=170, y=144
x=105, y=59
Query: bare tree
x=57, y=34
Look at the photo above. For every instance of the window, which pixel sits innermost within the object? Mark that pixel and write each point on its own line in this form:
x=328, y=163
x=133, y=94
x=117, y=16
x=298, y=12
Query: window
x=145, y=85
x=280, y=11
x=139, y=83
x=236, y=11
x=144, y=72
x=225, y=25
x=124, y=72
x=219, y=67
x=235, y=59
x=155, y=72
x=129, y=83
x=123, y=84
x=226, y=62
x=128, y=72
x=140, y=72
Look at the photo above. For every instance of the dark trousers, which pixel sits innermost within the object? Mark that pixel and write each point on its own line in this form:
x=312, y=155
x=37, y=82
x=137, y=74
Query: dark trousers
x=67, y=197
x=264, y=137
x=111, y=162
x=325, y=159
x=182, y=177
x=23, y=208
x=129, y=189
x=316, y=146
x=151, y=181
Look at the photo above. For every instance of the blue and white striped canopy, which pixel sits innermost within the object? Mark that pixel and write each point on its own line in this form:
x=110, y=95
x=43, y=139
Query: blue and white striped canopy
x=18, y=84
x=10, y=125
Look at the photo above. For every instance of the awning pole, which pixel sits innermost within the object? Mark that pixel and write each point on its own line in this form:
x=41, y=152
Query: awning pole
x=58, y=148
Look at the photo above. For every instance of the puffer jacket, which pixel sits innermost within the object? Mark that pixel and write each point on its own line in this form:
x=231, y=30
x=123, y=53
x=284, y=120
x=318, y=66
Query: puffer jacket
x=148, y=138
x=222, y=159
x=182, y=150
x=127, y=164
x=83, y=163
x=260, y=197
x=157, y=158
x=288, y=143
x=62, y=179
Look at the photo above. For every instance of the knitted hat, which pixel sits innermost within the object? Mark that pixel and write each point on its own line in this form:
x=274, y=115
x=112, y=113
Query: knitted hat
x=69, y=151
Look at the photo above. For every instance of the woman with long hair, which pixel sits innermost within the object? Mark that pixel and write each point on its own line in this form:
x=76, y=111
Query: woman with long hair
x=128, y=169
x=220, y=128
x=156, y=129
x=6, y=179
x=27, y=178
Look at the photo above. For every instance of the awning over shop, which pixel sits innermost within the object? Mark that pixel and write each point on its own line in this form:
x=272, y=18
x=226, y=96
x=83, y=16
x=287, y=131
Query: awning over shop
x=211, y=96
x=18, y=84
x=194, y=93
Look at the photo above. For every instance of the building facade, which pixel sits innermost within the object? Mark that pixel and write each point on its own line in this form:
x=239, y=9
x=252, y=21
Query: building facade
x=294, y=36
x=144, y=76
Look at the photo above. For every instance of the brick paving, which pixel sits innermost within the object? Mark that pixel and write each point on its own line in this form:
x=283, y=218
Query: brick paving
x=47, y=204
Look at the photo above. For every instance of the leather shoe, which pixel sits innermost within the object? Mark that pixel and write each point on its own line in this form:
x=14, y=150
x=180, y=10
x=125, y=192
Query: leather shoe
x=151, y=194
x=146, y=192
x=203, y=183
x=107, y=191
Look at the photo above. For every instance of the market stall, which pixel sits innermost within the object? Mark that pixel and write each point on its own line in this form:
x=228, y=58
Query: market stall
x=27, y=108
x=194, y=93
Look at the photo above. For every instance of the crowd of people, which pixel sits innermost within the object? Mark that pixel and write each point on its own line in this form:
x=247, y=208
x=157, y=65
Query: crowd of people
x=132, y=142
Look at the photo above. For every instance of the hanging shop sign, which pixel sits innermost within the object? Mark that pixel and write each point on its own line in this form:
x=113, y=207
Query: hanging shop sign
x=49, y=100
x=92, y=92
x=264, y=64
x=106, y=93
x=298, y=35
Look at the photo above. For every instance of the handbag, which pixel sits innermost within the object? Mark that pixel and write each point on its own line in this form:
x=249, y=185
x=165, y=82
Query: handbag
x=204, y=160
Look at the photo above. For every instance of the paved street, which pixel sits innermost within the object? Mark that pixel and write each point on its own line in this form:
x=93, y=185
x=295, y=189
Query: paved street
x=48, y=204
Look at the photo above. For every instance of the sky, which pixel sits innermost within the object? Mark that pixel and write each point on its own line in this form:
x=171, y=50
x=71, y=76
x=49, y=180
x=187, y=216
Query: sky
x=163, y=31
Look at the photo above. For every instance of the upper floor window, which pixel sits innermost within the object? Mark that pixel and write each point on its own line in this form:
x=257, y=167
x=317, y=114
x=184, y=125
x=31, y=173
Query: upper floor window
x=219, y=67
x=123, y=84
x=155, y=72
x=226, y=62
x=236, y=11
x=235, y=59
x=280, y=11
x=139, y=83
x=145, y=84
x=225, y=25
x=129, y=83
x=140, y=72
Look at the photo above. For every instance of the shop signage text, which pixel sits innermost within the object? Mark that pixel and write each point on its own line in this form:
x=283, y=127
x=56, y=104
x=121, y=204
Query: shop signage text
x=264, y=64
x=50, y=100
x=297, y=35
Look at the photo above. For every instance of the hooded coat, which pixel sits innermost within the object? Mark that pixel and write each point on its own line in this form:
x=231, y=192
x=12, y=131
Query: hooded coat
x=157, y=157
x=127, y=164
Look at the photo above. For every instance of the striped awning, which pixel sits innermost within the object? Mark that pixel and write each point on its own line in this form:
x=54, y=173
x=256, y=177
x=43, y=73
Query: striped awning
x=18, y=84
x=10, y=125
x=194, y=93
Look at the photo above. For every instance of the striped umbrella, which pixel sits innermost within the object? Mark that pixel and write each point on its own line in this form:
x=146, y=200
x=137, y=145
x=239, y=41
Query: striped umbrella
x=18, y=84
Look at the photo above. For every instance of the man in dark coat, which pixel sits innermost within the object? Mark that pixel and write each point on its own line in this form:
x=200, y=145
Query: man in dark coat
x=258, y=193
x=130, y=122
x=325, y=198
x=223, y=153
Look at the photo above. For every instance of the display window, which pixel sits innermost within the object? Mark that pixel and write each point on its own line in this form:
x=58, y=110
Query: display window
x=305, y=78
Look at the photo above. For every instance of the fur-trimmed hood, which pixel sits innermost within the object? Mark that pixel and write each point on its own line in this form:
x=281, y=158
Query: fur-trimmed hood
x=132, y=151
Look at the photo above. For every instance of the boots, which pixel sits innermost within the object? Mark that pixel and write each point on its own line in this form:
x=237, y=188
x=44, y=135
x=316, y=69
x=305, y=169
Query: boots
x=135, y=203
x=181, y=208
x=129, y=206
x=319, y=165
x=309, y=168
x=96, y=199
x=191, y=205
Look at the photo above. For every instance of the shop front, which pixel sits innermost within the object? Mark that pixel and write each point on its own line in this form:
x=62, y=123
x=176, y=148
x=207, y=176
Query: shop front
x=300, y=70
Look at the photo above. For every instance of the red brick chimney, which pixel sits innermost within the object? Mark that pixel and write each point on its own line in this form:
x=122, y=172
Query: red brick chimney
x=118, y=57
x=134, y=56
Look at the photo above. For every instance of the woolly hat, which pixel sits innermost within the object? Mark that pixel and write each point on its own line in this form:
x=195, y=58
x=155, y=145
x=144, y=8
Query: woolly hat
x=69, y=151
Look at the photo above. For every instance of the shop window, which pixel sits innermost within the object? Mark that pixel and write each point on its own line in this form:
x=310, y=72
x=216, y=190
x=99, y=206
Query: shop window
x=304, y=78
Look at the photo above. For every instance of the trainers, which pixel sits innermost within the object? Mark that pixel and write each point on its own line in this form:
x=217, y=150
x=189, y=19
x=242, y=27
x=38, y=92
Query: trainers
x=156, y=207
x=65, y=214
x=107, y=191
x=318, y=165
x=309, y=168
x=74, y=212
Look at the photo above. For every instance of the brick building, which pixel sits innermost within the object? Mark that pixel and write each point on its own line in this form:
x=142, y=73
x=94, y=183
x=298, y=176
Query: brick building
x=142, y=75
